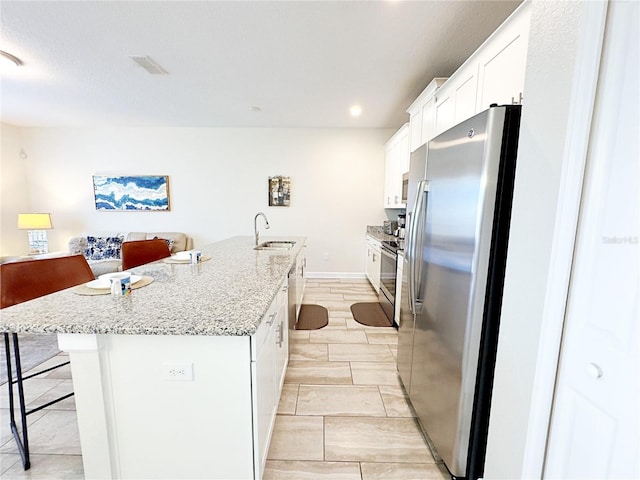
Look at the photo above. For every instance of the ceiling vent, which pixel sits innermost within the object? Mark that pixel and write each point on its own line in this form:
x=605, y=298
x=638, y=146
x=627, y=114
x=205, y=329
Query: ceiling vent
x=149, y=65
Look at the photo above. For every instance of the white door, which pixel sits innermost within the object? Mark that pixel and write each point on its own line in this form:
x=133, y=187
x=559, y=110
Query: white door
x=594, y=426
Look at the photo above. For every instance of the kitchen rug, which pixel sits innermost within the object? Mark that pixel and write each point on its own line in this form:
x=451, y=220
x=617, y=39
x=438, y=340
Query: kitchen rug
x=370, y=314
x=312, y=317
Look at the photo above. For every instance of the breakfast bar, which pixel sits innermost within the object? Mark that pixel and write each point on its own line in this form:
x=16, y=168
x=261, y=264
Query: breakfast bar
x=182, y=378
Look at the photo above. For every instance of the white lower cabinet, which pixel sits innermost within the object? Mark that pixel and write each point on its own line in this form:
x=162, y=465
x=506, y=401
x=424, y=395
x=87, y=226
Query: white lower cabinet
x=134, y=422
x=301, y=269
x=271, y=346
x=372, y=262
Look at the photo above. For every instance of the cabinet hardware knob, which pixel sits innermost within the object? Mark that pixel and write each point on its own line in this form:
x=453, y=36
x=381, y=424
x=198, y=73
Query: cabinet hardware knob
x=594, y=371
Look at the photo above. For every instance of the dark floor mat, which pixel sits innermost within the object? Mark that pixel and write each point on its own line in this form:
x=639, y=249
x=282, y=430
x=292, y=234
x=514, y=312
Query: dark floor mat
x=370, y=314
x=312, y=317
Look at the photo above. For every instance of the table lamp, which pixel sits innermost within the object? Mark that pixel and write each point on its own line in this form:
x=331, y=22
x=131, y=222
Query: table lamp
x=37, y=224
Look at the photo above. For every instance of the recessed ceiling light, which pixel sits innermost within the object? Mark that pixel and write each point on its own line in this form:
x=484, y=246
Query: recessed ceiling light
x=9, y=59
x=355, y=110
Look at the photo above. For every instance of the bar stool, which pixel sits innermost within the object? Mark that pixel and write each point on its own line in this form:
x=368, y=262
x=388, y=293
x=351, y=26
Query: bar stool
x=20, y=282
x=139, y=252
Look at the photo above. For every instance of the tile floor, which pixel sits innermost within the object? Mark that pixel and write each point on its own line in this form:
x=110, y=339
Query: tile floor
x=343, y=414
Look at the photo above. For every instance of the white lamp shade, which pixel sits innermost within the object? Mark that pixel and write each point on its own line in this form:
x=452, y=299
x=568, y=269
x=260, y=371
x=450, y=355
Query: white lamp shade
x=34, y=221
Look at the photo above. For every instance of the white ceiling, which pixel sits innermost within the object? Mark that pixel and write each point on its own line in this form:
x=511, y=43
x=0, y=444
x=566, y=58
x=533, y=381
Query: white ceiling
x=304, y=63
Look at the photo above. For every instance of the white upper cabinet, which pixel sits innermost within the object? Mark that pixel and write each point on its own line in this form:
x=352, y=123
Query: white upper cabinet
x=493, y=74
x=466, y=89
x=396, y=163
x=444, y=111
x=502, y=62
x=422, y=115
x=456, y=99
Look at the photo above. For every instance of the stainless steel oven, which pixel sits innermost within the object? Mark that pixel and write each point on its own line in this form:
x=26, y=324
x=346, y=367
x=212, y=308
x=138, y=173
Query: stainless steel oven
x=387, y=293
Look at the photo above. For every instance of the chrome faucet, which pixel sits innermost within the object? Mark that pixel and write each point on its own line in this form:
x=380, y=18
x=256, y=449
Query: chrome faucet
x=255, y=225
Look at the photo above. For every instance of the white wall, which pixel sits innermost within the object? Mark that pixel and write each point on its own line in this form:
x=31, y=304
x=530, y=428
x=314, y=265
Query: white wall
x=550, y=78
x=218, y=182
x=13, y=192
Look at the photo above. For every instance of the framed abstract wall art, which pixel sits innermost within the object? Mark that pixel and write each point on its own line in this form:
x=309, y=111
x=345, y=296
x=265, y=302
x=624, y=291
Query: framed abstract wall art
x=279, y=191
x=131, y=193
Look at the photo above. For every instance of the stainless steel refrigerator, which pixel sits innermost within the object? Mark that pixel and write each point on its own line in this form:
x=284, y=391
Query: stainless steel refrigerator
x=458, y=213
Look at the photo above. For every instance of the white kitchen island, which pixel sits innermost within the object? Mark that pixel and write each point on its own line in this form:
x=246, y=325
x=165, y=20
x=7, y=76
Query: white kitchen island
x=182, y=379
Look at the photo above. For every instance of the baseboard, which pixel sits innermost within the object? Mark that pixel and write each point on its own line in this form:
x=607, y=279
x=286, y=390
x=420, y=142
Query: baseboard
x=345, y=275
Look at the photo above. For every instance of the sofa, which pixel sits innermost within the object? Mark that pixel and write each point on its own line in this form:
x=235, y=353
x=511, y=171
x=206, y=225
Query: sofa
x=102, y=251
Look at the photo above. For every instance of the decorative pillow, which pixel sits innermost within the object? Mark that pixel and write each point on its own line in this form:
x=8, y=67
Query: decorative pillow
x=170, y=242
x=102, y=248
x=77, y=245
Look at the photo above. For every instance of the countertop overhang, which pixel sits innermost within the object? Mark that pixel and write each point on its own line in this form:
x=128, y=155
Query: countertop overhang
x=226, y=295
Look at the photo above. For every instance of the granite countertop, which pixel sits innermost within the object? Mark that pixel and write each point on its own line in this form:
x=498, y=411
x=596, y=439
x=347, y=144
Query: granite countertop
x=378, y=233
x=226, y=295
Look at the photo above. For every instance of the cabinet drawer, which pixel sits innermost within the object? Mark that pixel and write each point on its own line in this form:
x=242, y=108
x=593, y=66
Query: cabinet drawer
x=262, y=333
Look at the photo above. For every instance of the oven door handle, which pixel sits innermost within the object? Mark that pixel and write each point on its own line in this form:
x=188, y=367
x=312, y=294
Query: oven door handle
x=388, y=252
x=394, y=258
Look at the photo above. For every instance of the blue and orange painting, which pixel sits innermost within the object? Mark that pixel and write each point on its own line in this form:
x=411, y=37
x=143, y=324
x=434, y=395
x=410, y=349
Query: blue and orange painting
x=134, y=193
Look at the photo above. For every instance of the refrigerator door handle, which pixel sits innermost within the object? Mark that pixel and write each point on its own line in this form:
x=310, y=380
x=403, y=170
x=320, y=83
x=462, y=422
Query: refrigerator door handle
x=414, y=274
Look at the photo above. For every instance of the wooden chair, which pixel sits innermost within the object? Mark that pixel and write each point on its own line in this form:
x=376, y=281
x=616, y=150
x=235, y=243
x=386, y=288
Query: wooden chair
x=20, y=282
x=140, y=252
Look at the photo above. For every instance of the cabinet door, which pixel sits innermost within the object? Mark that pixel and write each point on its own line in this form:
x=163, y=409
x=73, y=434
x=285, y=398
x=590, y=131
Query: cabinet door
x=265, y=385
x=403, y=159
x=301, y=266
x=422, y=115
x=456, y=100
x=389, y=165
x=502, y=63
x=416, y=122
x=375, y=269
x=281, y=340
x=466, y=89
x=372, y=265
x=396, y=163
x=428, y=122
x=445, y=110
x=368, y=264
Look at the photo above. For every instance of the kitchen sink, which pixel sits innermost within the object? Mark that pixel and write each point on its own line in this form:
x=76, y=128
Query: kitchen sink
x=275, y=245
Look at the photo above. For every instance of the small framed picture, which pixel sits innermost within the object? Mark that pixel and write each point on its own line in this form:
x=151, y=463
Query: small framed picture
x=279, y=191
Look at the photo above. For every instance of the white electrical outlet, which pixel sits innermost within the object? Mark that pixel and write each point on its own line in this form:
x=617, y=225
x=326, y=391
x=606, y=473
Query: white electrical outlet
x=178, y=371
x=325, y=256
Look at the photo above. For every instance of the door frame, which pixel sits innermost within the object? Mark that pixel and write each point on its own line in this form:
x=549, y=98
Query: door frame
x=582, y=101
